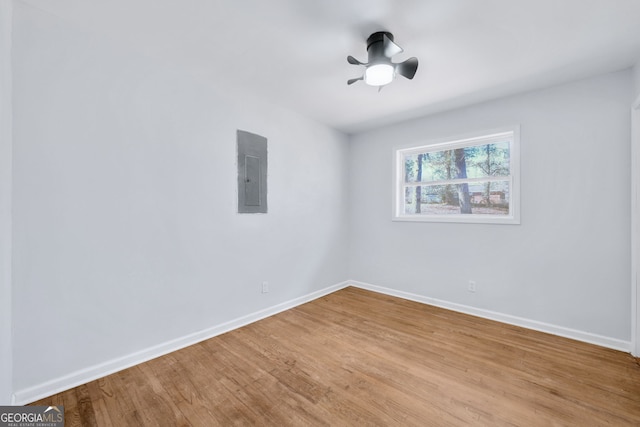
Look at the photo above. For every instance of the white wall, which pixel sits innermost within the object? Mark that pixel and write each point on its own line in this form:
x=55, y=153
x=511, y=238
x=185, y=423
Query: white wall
x=635, y=211
x=125, y=231
x=636, y=79
x=567, y=264
x=6, y=380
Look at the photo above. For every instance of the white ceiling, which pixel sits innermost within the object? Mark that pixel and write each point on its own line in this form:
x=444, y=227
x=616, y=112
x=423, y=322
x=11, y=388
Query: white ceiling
x=293, y=52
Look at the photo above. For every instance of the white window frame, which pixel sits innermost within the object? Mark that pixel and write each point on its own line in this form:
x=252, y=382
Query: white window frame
x=477, y=138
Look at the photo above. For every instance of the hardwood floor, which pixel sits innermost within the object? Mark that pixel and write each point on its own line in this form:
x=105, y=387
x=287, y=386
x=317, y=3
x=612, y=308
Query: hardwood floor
x=360, y=358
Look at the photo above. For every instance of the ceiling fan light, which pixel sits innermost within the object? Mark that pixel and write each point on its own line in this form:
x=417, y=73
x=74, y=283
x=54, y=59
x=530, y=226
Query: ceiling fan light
x=379, y=74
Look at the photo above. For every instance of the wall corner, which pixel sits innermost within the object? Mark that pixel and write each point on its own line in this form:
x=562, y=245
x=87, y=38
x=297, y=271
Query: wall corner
x=6, y=186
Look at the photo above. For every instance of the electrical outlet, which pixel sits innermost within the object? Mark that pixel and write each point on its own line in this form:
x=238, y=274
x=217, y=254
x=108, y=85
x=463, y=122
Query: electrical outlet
x=471, y=287
x=265, y=287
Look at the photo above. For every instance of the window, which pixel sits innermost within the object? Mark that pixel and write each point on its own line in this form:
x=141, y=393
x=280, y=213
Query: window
x=467, y=180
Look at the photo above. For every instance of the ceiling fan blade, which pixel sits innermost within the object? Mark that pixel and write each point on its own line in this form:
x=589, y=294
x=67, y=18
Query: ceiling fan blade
x=354, y=61
x=389, y=47
x=352, y=81
x=408, y=68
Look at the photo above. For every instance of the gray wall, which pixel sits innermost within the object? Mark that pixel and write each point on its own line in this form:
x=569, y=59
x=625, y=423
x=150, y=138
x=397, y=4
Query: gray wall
x=635, y=126
x=125, y=228
x=636, y=79
x=6, y=380
x=568, y=262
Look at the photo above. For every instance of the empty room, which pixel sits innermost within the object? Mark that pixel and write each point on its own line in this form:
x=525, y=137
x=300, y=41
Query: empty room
x=302, y=213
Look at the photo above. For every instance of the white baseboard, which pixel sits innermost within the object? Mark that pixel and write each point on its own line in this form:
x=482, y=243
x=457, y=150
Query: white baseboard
x=74, y=379
x=588, y=337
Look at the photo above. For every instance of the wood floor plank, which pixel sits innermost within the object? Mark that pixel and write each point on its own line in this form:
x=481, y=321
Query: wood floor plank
x=355, y=357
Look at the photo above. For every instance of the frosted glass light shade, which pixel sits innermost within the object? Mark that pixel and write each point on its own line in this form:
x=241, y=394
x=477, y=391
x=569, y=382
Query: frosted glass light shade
x=379, y=74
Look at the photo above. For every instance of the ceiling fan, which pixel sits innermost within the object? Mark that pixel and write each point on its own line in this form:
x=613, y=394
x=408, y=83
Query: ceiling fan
x=380, y=71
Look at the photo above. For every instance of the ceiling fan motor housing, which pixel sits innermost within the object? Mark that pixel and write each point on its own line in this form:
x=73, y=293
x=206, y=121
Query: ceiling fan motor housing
x=375, y=47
